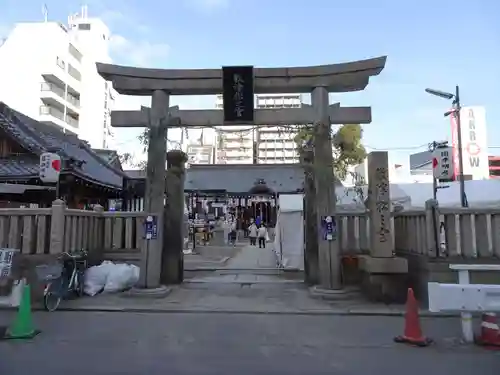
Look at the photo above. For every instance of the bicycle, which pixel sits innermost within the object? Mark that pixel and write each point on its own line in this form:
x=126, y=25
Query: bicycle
x=63, y=278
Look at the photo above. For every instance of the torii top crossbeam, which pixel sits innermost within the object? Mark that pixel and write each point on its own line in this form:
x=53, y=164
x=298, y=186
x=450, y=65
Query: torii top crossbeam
x=345, y=77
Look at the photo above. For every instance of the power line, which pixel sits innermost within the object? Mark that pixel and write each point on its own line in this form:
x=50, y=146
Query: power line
x=409, y=148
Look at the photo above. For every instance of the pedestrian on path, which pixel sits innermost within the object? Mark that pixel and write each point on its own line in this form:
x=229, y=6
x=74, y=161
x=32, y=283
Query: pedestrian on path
x=233, y=233
x=262, y=233
x=252, y=233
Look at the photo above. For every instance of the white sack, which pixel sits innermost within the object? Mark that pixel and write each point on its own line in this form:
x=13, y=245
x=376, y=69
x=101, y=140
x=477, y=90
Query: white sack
x=121, y=277
x=95, y=278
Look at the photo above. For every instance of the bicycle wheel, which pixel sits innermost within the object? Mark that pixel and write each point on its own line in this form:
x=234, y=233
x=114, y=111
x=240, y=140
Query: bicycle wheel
x=51, y=301
x=53, y=294
x=79, y=284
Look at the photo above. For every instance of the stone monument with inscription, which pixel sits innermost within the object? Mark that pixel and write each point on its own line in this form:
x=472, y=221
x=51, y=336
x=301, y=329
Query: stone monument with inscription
x=383, y=273
x=379, y=205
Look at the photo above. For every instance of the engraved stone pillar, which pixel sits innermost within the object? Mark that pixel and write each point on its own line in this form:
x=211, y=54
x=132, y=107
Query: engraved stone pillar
x=172, y=254
x=379, y=204
x=155, y=189
x=328, y=250
x=311, y=261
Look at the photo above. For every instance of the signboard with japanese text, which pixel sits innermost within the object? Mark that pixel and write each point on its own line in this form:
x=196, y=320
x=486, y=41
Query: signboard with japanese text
x=151, y=227
x=50, y=167
x=238, y=94
x=329, y=228
x=6, y=260
x=443, y=164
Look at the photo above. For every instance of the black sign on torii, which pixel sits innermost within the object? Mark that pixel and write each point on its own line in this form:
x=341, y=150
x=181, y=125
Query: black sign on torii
x=238, y=94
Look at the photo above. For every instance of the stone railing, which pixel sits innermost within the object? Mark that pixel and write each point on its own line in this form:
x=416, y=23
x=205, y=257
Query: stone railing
x=411, y=233
x=353, y=232
x=57, y=229
x=459, y=232
x=470, y=233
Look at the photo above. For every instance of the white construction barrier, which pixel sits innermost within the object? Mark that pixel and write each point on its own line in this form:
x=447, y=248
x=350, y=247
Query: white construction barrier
x=464, y=297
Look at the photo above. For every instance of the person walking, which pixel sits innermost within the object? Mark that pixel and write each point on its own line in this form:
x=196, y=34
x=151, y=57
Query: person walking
x=233, y=234
x=262, y=234
x=227, y=229
x=252, y=233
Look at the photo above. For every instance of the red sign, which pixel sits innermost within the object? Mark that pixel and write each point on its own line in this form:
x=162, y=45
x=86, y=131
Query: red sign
x=56, y=164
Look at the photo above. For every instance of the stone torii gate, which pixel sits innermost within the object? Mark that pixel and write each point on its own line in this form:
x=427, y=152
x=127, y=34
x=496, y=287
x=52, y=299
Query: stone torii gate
x=161, y=83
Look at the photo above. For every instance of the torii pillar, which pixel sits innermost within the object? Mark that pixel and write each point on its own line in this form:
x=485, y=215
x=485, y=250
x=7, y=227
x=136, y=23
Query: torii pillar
x=154, y=196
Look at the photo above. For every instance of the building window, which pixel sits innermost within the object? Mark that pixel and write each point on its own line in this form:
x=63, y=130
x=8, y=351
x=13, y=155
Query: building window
x=60, y=63
x=74, y=52
x=84, y=26
x=74, y=73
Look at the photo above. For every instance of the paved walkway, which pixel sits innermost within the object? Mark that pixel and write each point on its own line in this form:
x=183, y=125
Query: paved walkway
x=251, y=257
x=250, y=265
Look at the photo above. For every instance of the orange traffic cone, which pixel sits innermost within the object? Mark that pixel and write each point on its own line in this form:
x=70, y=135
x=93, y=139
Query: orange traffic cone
x=413, y=333
x=490, y=333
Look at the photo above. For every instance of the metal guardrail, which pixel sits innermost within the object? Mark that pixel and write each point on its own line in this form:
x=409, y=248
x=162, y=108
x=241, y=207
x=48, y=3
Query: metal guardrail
x=465, y=297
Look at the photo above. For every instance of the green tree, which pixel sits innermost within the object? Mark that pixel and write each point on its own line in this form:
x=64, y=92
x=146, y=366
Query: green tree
x=347, y=147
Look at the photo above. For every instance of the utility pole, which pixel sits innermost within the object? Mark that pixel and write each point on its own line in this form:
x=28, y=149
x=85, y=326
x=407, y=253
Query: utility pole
x=328, y=246
x=455, y=113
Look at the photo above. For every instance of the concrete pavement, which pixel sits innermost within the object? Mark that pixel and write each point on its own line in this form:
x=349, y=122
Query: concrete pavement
x=83, y=343
x=249, y=265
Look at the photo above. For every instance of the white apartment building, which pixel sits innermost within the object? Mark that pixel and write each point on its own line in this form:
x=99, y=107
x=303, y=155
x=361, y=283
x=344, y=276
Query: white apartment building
x=48, y=72
x=263, y=145
x=201, y=150
x=276, y=144
x=234, y=143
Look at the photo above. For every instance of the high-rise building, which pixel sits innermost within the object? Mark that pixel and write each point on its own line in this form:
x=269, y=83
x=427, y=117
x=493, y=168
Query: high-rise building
x=276, y=144
x=201, y=150
x=235, y=144
x=48, y=72
x=243, y=144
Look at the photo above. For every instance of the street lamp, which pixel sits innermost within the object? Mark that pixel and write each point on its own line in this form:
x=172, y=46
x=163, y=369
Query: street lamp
x=455, y=111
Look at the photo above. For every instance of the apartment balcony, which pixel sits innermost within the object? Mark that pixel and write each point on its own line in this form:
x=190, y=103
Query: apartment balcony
x=236, y=146
x=54, y=96
x=62, y=73
x=53, y=116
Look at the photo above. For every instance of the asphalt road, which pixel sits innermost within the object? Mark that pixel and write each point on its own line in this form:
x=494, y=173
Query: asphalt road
x=90, y=343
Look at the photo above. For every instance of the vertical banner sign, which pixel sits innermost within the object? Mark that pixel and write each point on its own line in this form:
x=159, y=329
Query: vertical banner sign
x=238, y=94
x=474, y=142
x=454, y=144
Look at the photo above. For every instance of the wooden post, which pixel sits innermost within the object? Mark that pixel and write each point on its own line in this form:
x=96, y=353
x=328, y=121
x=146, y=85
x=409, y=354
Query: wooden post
x=328, y=250
x=172, y=254
x=155, y=189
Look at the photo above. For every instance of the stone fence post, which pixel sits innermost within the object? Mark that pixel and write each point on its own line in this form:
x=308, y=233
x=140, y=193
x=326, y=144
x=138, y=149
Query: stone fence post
x=96, y=253
x=432, y=228
x=57, y=222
